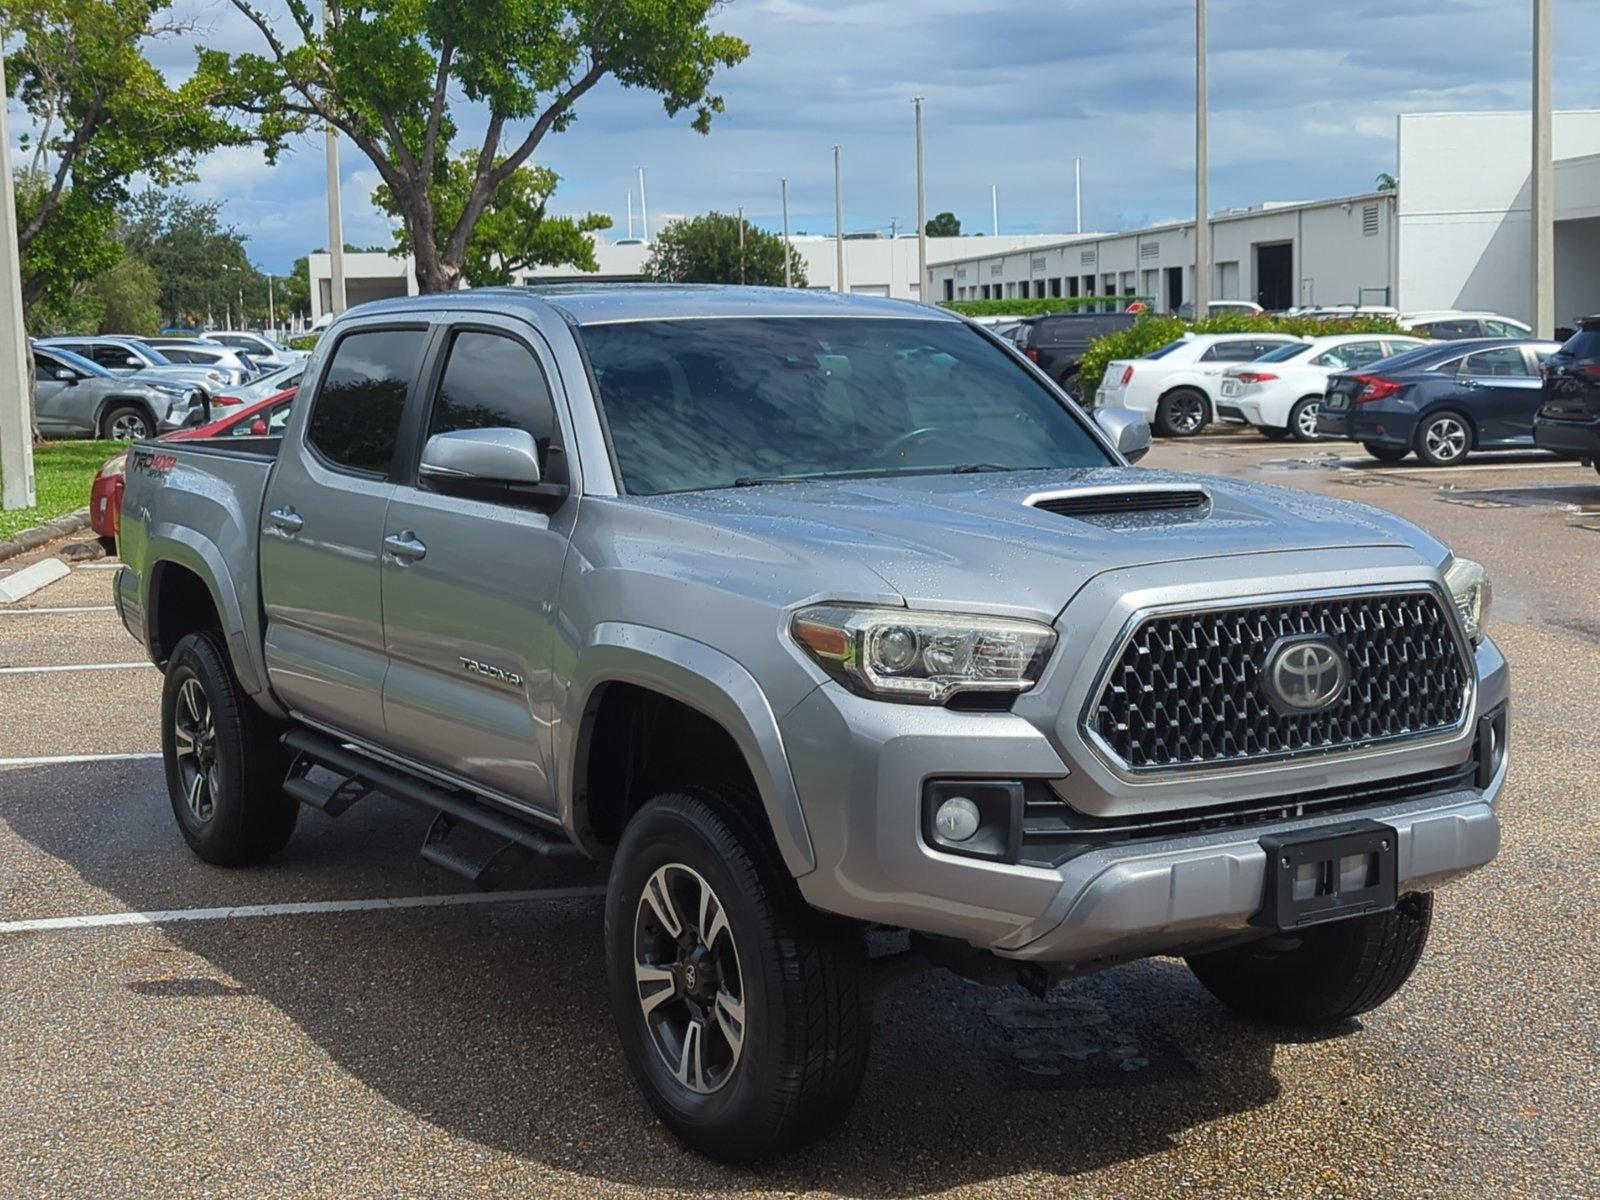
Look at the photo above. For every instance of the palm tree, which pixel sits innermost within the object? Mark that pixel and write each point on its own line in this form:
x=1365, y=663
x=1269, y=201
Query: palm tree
x=1386, y=182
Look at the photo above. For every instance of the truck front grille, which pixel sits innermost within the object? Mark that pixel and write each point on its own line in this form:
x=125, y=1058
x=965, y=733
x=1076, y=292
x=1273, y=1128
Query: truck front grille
x=1185, y=690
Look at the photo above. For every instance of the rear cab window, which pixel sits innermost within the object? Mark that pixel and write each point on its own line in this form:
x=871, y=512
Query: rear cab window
x=355, y=419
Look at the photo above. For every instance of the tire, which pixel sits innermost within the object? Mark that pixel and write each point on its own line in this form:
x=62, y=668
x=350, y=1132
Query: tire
x=1324, y=976
x=1071, y=384
x=1443, y=439
x=803, y=979
x=1303, y=419
x=224, y=764
x=1383, y=453
x=127, y=423
x=1182, y=412
x=1273, y=433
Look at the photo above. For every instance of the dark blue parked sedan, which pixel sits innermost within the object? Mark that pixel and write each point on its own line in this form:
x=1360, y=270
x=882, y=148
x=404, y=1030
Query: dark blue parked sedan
x=1443, y=401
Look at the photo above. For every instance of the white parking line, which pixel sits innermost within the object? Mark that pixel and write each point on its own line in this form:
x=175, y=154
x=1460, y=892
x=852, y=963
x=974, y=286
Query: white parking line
x=64, y=608
x=54, y=760
x=122, y=666
x=99, y=566
x=296, y=909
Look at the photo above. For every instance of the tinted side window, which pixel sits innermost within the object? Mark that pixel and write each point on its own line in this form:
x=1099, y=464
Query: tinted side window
x=1453, y=329
x=493, y=382
x=357, y=416
x=1502, y=361
x=1584, y=344
x=1231, y=352
x=115, y=357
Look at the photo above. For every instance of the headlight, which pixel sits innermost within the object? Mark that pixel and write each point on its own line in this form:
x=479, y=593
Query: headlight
x=924, y=658
x=1469, y=588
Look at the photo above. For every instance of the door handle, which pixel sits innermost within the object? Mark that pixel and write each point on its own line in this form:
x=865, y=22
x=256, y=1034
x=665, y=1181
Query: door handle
x=287, y=520
x=404, y=546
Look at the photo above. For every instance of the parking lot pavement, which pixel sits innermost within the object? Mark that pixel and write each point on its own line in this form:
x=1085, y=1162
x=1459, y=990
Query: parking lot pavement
x=465, y=1049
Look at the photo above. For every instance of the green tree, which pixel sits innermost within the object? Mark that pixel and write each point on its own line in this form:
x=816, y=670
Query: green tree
x=1385, y=182
x=201, y=263
x=945, y=224
x=128, y=295
x=383, y=74
x=98, y=113
x=514, y=233
x=706, y=250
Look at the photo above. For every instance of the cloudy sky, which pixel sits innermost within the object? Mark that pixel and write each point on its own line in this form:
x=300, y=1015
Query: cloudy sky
x=1304, y=97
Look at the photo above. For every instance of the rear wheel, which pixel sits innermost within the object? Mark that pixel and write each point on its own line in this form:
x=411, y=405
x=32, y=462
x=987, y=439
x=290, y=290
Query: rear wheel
x=126, y=423
x=224, y=764
x=1303, y=418
x=743, y=1012
x=1325, y=975
x=1389, y=454
x=1182, y=412
x=1443, y=439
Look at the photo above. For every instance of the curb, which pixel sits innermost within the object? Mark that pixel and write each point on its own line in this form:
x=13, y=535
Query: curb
x=32, y=539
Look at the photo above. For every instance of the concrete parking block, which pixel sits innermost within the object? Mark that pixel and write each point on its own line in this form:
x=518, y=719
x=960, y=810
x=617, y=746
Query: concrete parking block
x=30, y=579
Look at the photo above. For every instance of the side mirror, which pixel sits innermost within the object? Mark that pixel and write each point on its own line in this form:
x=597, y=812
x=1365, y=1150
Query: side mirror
x=483, y=455
x=1128, y=430
x=64, y=375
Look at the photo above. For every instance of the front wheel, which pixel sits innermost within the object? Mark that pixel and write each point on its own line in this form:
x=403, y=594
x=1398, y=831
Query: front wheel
x=1324, y=975
x=126, y=423
x=744, y=1014
x=224, y=764
x=1443, y=440
x=1182, y=412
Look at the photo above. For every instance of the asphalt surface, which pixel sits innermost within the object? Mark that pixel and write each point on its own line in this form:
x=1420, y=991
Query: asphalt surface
x=451, y=1051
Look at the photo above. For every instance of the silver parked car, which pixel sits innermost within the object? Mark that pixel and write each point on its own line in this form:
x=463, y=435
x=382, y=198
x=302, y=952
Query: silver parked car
x=199, y=352
x=263, y=386
x=131, y=356
x=809, y=615
x=79, y=398
x=263, y=351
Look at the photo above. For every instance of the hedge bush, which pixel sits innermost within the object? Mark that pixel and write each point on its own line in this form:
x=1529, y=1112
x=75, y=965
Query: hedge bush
x=304, y=341
x=1034, y=306
x=1146, y=335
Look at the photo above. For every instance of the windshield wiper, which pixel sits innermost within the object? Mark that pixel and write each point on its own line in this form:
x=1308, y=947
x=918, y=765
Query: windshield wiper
x=980, y=468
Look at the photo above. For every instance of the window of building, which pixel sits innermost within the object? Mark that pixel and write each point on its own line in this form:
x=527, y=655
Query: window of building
x=356, y=420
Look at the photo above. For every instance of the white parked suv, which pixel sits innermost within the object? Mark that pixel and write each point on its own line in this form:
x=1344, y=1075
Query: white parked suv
x=1279, y=393
x=1450, y=324
x=1177, y=385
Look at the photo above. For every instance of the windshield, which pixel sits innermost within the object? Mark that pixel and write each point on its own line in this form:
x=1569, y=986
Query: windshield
x=716, y=403
x=1286, y=352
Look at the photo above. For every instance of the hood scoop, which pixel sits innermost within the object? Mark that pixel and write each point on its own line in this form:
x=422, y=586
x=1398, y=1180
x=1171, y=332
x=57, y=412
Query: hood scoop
x=1113, y=504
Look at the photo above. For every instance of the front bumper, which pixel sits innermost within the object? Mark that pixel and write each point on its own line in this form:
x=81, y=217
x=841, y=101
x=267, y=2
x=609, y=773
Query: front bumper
x=860, y=767
x=183, y=412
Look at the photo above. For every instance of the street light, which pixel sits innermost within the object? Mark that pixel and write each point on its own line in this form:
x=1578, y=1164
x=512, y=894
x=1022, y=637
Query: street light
x=922, y=215
x=1202, y=204
x=1543, y=198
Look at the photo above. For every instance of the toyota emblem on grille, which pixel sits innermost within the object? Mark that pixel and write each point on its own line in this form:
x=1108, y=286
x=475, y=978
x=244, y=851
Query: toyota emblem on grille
x=1304, y=673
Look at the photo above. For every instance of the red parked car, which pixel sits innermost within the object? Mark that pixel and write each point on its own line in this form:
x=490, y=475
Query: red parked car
x=261, y=419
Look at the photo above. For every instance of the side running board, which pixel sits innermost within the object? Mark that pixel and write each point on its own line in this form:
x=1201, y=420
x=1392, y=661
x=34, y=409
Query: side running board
x=468, y=835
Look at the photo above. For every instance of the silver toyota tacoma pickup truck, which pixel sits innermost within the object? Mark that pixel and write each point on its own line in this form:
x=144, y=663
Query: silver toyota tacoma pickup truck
x=813, y=615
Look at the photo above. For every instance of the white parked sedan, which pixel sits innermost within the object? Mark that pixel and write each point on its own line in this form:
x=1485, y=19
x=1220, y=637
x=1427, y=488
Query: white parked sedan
x=1177, y=385
x=1279, y=393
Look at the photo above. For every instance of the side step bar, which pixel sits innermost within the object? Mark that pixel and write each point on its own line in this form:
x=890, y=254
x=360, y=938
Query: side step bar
x=361, y=774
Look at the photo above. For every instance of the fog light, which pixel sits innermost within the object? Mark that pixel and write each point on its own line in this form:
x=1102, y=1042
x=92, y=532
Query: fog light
x=957, y=819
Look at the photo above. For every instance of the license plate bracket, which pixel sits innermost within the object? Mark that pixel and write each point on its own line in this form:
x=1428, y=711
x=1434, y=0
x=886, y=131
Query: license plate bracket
x=1328, y=874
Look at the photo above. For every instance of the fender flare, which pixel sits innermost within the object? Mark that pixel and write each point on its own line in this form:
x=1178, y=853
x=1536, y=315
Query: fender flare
x=712, y=683
x=176, y=545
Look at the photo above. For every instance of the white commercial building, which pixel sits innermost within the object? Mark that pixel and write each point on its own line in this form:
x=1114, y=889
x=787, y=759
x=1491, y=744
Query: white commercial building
x=874, y=266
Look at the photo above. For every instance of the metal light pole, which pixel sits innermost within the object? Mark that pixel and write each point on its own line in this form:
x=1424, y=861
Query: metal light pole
x=922, y=215
x=1202, y=203
x=994, y=206
x=741, y=243
x=630, y=216
x=1543, y=310
x=1077, y=189
x=16, y=409
x=272, y=310
x=838, y=224
x=336, y=299
x=788, y=271
x=644, y=209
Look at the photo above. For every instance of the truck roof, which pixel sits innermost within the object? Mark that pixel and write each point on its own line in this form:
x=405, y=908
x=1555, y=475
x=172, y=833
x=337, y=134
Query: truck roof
x=600, y=303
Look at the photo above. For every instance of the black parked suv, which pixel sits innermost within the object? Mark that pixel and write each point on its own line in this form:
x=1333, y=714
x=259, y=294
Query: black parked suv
x=1056, y=341
x=1568, y=420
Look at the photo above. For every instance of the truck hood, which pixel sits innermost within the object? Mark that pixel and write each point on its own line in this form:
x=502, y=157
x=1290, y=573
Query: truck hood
x=974, y=539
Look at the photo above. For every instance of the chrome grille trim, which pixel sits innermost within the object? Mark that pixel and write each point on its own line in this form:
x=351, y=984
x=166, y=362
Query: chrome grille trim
x=1089, y=719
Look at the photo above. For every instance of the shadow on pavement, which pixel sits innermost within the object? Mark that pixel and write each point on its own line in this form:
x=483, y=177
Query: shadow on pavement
x=491, y=1023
